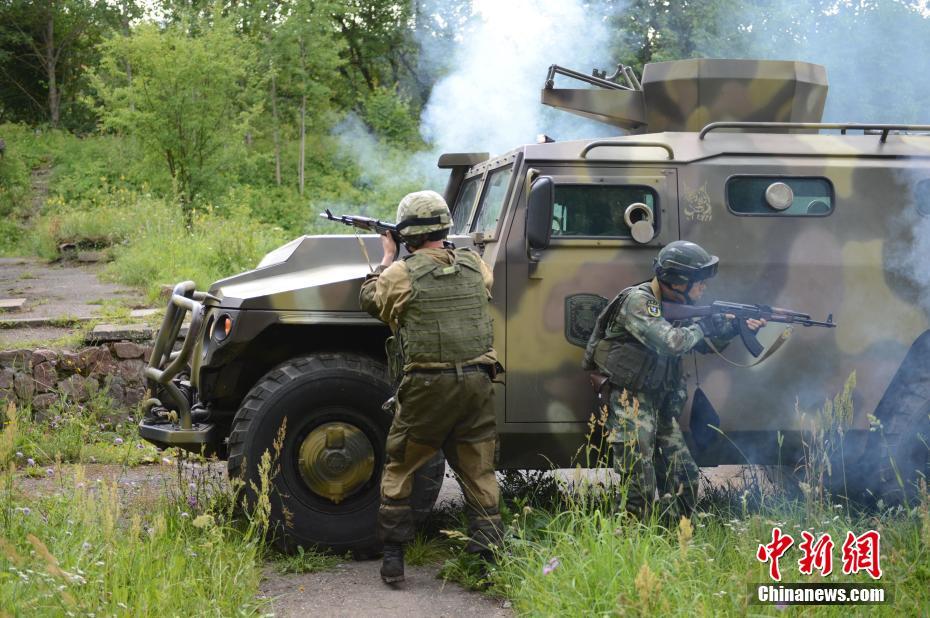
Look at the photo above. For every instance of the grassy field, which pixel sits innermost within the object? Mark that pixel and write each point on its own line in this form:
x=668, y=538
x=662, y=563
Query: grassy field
x=83, y=549
x=102, y=192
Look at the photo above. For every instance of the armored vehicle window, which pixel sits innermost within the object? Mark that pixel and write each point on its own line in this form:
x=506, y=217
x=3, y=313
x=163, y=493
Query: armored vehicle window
x=489, y=210
x=597, y=210
x=780, y=196
x=461, y=212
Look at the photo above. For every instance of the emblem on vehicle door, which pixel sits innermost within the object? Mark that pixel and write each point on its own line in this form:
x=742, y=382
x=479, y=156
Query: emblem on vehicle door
x=581, y=311
x=697, y=205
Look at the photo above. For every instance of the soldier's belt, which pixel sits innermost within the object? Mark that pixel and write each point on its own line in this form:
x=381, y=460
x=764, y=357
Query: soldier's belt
x=453, y=371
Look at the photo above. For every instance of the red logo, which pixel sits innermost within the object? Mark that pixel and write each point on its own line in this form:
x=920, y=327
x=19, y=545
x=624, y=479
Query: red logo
x=817, y=555
x=860, y=553
x=773, y=551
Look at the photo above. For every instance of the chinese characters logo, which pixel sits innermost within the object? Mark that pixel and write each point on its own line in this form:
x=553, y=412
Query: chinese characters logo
x=859, y=553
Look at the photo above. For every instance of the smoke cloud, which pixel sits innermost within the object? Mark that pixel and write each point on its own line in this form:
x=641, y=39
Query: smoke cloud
x=490, y=100
x=877, y=54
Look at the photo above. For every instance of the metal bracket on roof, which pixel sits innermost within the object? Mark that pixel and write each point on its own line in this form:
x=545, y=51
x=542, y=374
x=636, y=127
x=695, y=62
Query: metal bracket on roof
x=843, y=127
x=599, y=78
x=616, y=144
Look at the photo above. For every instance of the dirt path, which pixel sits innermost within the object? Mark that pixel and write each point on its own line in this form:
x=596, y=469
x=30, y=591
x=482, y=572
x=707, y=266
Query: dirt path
x=355, y=589
x=55, y=291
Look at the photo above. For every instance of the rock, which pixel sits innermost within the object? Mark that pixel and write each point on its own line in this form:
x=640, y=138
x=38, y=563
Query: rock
x=143, y=313
x=12, y=304
x=128, y=349
x=92, y=256
x=71, y=362
x=131, y=371
x=45, y=377
x=43, y=402
x=105, y=333
x=6, y=378
x=44, y=356
x=78, y=388
x=17, y=358
x=134, y=396
x=98, y=362
x=23, y=386
x=116, y=389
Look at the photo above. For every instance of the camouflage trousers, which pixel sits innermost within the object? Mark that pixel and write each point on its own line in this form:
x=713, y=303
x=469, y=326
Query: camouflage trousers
x=456, y=414
x=650, y=453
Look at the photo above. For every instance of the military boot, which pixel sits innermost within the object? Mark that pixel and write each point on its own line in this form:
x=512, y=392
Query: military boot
x=392, y=566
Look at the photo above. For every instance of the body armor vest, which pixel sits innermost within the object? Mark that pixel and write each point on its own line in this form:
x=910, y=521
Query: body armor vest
x=447, y=318
x=628, y=363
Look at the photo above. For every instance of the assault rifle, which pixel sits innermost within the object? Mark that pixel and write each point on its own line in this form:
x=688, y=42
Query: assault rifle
x=373, y=225
x=365, y=223
x=675, y=312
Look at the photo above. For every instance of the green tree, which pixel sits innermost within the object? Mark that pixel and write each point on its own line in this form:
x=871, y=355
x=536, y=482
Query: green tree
x=658, y=30
x=189, y=101
x=303, y=56
x=45, y=46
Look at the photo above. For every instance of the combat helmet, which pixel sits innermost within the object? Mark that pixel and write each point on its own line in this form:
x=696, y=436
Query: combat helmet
x=421, y=213
x=684, y=263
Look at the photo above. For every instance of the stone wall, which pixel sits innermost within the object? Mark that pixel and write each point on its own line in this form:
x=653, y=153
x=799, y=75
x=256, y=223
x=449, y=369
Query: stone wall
x=40, y=378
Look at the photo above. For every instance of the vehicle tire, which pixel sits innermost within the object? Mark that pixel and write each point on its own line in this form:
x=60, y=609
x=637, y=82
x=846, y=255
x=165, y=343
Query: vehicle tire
x=325, y=486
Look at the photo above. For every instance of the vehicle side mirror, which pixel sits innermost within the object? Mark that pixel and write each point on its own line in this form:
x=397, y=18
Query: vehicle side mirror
x=539, y=205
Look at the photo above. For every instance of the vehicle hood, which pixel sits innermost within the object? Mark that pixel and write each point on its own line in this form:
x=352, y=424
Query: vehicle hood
x=310, y=273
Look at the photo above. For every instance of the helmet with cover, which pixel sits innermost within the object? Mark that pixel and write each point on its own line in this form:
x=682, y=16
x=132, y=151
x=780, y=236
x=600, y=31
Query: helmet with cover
x=422, y=212
x=684, y=263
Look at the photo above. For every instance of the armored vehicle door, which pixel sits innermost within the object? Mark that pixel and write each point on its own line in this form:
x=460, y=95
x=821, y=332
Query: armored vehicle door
x=818, y=235
x=555, y=294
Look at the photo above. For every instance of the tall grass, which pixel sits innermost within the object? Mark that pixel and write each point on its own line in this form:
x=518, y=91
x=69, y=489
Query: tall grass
x=151, y=243
x=580, y=556
x=67, y=432
x=78, y=551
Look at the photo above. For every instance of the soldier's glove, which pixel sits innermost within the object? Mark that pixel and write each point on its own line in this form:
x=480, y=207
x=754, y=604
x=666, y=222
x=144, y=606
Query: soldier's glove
x=714, y=325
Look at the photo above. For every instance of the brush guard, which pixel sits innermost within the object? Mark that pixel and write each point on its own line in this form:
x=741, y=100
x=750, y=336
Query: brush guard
x=173, y=422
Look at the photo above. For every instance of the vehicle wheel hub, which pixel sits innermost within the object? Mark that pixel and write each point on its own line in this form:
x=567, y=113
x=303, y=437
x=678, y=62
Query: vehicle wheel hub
x=336, y=459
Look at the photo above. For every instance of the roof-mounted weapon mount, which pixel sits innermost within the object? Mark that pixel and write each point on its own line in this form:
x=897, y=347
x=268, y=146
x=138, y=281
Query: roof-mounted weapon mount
x=686, y=95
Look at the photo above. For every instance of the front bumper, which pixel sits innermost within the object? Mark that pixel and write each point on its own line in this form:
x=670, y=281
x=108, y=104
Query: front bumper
x=167, y=418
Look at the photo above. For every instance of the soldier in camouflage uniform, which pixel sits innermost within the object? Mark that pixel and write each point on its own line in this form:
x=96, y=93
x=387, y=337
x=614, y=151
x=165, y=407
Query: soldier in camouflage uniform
x=436, y=302
x=642, y=353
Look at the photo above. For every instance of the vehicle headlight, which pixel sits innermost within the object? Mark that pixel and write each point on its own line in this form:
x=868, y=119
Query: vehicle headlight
x=221, y=327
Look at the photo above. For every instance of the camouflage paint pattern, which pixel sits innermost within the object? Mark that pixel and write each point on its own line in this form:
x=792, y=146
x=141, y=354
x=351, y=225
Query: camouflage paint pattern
x=841, y=264
x=650, y=453
x=686, y=95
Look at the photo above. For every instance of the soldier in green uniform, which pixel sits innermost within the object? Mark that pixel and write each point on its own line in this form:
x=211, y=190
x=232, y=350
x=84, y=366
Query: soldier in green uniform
x=436, y=302
x=642, y=353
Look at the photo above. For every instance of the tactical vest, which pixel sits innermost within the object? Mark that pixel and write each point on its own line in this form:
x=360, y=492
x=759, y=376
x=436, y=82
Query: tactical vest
x=621, y=356
x=447, y=318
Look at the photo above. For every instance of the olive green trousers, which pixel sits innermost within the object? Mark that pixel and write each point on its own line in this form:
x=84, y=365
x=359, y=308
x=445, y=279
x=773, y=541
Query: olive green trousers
x=454, y=413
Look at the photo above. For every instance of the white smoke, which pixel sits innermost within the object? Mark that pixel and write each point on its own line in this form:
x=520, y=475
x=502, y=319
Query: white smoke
x=490, y=100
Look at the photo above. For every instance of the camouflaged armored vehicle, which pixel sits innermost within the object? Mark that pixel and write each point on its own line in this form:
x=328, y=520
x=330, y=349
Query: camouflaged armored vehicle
x=821, y=218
